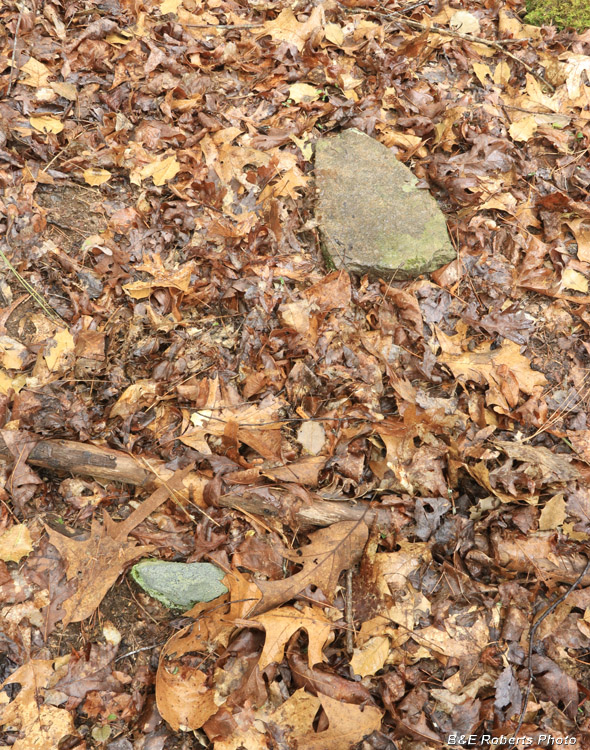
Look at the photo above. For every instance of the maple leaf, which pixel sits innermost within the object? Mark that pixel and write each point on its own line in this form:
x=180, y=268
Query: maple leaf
x=331, y=551
x=98, y=561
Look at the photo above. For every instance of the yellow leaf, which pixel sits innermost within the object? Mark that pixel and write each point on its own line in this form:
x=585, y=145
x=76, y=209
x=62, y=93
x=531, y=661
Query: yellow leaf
x=484, y=365
x=522, y=130
x=46, y=124
x=37, y=73
x=464, y=23
x=303, y=92
x=13, y=354
x=553, y=514
x=7, y=383
x=60, y=347
x=116, y=39
x=580, y=228
x=334, y=34
x=371, y=657
x=286, y=28
x=571, y=279
x=161, y=170
x=15, y=543
x=66, y=90
x=94, y=176
x=577, y=67
x=169, y=6
x=502, y=73
x=482, y=71
x=287, y=185
x=304, y=146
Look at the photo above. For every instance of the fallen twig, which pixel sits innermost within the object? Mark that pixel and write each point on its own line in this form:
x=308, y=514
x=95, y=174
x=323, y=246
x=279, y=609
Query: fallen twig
x=532, y=635
x=14, y=42
x=435, y=29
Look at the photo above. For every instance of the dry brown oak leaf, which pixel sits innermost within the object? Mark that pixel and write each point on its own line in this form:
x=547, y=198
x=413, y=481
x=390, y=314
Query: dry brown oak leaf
x=98, y=561
x=331, y=550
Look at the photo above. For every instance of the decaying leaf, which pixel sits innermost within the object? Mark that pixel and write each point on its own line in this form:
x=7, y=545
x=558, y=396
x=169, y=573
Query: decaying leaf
x=331, y=551
x=97, y=562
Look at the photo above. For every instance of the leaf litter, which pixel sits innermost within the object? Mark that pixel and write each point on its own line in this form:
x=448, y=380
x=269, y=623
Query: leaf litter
x=164, y=297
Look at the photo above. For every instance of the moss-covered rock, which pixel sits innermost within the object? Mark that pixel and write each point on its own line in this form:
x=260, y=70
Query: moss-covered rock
x=571, y=14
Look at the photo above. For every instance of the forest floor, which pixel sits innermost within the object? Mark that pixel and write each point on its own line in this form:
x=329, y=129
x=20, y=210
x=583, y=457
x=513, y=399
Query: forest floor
x=394, y=474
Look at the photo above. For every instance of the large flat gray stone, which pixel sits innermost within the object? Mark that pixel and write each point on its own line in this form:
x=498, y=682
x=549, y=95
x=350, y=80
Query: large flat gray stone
x=372, y=217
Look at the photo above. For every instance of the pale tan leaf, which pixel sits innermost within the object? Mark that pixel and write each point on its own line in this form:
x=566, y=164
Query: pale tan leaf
x=59, y=351
x=464, y=23
x=571, y=279
x=311, y=436
x=348, y=725
x=15, y=543
x=94, y=176
x=303, y=92
x=286, y=28
x=524, y=129
x=280, y=624
x=334, y=33
x=46, y=124
x=160, y=170
x=37, y=73
x=553, y=514
x=371, y=657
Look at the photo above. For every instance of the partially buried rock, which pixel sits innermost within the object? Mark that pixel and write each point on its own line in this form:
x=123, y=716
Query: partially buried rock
x=179, y=585
x=372, y=217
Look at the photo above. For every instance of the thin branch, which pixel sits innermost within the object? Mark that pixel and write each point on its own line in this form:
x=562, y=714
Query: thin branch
x=14, y=42
x=223, y=26
x=532, y=635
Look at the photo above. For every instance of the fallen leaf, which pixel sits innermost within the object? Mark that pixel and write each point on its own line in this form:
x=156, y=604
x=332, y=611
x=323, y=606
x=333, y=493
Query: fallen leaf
x=523, y=129
x=37, y=73
x=59, y=351
x=94, y=176
x=303, y=92
x=280, y=624
x=553, y=514
x=311, y=436
x=464, y=23
x=46, y=124
x=286, y=27
x=348, y=725
x=15, y=543
x=371, y=657
x=160, y=170
x=571, y=279
x=98, y=561
x=330, y=551
x=13, y=354
x=481, y=365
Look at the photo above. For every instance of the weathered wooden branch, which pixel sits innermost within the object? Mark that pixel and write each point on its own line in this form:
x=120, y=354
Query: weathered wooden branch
x=106, y=464
x=85, y=459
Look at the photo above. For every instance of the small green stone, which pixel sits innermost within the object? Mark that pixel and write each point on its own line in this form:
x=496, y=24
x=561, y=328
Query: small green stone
x=179, y=585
